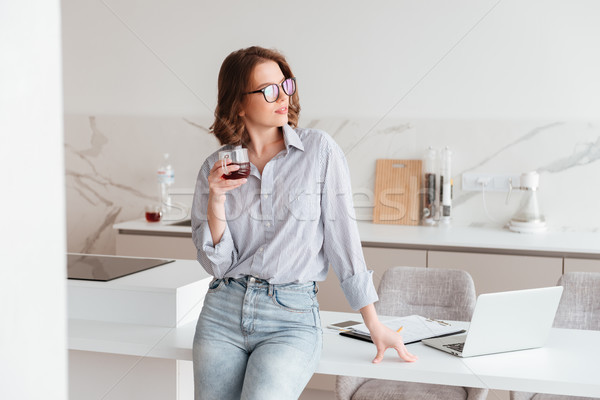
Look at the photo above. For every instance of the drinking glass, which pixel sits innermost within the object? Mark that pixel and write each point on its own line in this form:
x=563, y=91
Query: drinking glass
x=236, y=156
x=153, y=212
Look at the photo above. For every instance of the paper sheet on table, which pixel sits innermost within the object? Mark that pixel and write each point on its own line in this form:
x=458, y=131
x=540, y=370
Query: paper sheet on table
x=414, y=328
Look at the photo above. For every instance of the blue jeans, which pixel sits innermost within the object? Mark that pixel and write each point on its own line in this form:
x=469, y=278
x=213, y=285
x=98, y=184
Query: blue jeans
x=256, y=341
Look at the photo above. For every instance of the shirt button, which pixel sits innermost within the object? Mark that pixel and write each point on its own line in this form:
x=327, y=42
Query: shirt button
x=266, y=196
x=268, y=224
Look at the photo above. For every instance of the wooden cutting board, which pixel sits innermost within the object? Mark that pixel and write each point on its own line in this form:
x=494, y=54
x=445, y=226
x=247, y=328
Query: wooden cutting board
x=397, y=187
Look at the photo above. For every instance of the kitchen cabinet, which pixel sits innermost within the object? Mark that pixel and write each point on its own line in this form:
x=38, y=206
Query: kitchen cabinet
x=581, y=265
x=154, y=245
x=379, y=259
x=496, y=259
x=331, y=297
x=500, y=272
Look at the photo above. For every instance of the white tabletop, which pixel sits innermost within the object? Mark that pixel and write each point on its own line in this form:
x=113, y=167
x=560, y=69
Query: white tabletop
x=566, y=365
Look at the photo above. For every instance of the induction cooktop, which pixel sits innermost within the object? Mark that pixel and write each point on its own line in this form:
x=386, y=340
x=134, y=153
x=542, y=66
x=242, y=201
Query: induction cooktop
x=105, y=268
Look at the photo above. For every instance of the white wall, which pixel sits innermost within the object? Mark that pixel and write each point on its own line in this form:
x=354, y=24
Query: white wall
x=509, y=85
x=394, y=58
x=32, y=226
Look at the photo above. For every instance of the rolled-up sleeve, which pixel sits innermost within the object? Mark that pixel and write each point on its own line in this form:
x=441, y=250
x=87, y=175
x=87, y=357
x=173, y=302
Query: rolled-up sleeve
x=215, y=259
x=342, y=244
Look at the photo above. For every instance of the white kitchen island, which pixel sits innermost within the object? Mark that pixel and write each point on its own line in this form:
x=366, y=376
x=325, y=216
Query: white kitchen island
x=118, y=328
x=118, y=360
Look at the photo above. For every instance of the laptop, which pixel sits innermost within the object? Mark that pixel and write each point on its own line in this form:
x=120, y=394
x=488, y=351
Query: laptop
x=505, y=321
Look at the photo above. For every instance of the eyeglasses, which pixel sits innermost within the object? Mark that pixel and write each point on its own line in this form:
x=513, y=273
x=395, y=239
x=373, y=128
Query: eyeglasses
x=271, y=92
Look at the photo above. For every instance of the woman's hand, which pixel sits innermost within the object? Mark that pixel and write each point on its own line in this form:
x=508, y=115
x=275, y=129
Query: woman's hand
x=384, y=338
x=218, y=186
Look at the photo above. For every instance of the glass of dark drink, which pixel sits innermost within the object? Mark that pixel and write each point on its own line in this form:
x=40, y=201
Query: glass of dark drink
x=236, y=156
x=153, y=213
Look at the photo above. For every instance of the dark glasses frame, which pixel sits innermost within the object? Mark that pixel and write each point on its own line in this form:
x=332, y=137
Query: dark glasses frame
x=263, y=90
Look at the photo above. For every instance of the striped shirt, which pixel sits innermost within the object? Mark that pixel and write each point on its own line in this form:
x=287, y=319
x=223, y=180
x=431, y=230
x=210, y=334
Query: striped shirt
x=290, y=223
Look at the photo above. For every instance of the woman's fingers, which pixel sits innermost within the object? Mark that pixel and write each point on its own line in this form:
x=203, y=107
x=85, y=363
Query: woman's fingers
x=404, y=354
x=384, y=338
x=379, y=355
x=219, y=171
x=218, y=184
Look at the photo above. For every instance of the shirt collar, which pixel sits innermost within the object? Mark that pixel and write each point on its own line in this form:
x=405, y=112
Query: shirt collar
x=291, y=138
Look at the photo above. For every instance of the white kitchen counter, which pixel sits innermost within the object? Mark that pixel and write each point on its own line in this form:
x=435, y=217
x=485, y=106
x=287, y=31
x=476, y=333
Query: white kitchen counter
x=489, y=240
x=450, y=238
x=141, y=226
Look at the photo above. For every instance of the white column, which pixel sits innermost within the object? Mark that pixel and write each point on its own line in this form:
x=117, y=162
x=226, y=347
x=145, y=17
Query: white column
x=33, y=356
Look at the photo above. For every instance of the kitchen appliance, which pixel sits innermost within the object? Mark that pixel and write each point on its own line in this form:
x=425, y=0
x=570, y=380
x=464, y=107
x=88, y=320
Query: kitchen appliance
x=528, y=218
x=92, y=267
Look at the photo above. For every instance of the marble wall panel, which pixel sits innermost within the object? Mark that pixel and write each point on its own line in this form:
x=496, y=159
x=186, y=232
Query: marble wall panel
x=111, y=162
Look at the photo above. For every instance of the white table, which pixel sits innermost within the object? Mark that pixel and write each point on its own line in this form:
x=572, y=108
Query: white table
x=568, y=364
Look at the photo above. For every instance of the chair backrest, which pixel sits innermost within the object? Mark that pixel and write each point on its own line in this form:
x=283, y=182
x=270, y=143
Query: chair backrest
x=430, y=292
x=579, y=306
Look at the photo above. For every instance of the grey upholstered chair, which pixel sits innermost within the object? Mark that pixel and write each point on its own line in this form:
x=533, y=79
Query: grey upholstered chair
x=579, y=308
x=431, y=292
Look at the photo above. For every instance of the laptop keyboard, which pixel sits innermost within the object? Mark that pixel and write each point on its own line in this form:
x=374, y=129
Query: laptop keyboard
x=456, y=346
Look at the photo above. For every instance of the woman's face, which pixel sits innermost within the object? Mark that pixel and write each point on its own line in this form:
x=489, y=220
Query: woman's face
x=259, y=115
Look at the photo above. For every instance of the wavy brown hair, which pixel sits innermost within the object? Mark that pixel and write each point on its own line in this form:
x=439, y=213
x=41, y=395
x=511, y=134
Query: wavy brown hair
x=234, y=81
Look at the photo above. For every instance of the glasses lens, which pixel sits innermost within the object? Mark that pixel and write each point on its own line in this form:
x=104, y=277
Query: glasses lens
x=289, y=86
x=271, y=93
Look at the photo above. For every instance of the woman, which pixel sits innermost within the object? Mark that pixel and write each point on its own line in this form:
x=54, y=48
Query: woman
x=269, y=237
